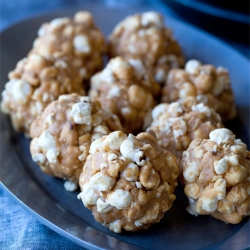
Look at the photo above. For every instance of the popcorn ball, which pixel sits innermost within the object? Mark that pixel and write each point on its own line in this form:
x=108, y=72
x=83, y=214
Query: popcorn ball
x=34, y=83
x=175, y=125
x=145, y=37
x=63, y=134
x=78, y=37
x=217, y=177
x=209, y=84
x=127, y=89
x=127, y=181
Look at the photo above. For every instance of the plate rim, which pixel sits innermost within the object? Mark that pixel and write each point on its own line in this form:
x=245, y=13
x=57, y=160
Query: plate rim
x=33, y=212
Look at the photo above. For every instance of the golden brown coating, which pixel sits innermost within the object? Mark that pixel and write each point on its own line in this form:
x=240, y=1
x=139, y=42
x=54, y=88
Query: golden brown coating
x=78, y=38
x=127, y=181
x=63, y=134
x=127, y=89
x=34, y=83
x=209, y=84
x=217, y=177
x=175, y=125
x=145, y=37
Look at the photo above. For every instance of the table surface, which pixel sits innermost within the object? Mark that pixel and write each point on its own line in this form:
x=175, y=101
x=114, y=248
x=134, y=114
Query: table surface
x=19, y=229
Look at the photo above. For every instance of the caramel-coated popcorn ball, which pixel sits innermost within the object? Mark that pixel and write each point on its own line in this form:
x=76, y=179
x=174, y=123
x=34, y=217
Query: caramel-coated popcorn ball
x=63, y=134
x=127, y=181
x=175, y=125
x=78, y=38
x=217, y=177
x=145, y=37
x=209, y=84
x=35, y=82
x=127, y=89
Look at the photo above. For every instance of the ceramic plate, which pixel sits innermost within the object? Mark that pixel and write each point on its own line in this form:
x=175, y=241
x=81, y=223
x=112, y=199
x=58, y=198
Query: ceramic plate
x=45, y=197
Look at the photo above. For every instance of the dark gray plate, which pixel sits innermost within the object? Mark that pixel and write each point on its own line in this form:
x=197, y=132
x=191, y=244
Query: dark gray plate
x=45, y=197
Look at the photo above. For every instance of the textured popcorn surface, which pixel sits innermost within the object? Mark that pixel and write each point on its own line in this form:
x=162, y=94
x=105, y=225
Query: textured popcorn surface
x=145, y=37
x=207, y=83
x=127, y=89
x=34, y=83
x=78, y=38
x=216, y=172
x=175, y=125
x=128, y=181
x=64, y=132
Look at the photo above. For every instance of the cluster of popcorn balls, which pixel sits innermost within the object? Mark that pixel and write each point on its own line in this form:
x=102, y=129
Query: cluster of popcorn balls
x=127, y=133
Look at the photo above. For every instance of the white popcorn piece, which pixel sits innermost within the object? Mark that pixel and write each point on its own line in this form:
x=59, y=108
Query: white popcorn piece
x=209, y=205
x=96, y=145
x=39, y=157
x=221, y=69
x=180, y=130
x=202, y=98
x=112, y=157
x=186, y=89
x=106, y=75
x=49, y=118
x=58, y=22
x=40, y=32
x=61, y=64
x=220, y=188
x=114, y=92
x=222, y=136
x=89, y=195
x=132, y=48
x=138, y=184
x=100, y=129
x=131, y=172
x=192, y=190
x=129, y=150
x=20, y=89
x=158, y=110
x=152, y=17
x=118, y=63
x=103, y=206
x=114, y=140
x=70, y=186
x=202, y=109
x=115, y=226
x=192, y=66
x=48, y=144
x=220, y=84
x=81, y=113
x=85, y=99
x=139, y=68
x=101, y=182
x=175, y=107
x=51, y=155
x=221, y=166
x=191, y=172
x=138, y=223
x=81, y=43
x=120, y=199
